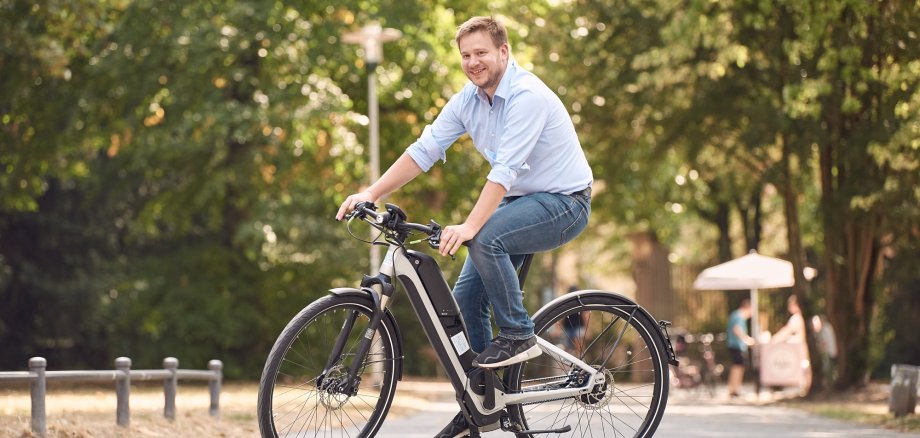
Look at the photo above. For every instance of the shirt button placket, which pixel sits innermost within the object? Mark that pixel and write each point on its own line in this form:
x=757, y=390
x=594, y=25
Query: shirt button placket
x=491, y=128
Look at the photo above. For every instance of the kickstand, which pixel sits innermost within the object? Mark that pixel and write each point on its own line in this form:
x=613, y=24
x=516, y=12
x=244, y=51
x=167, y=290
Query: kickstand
x=474, y=432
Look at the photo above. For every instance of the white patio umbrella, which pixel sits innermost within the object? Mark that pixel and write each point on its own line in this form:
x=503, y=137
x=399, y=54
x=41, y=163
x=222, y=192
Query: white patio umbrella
x=750, y=272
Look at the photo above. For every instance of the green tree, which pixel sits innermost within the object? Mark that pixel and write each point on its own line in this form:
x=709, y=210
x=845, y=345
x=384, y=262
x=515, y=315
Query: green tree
x=745, y=94
x=860, y=77
x=52, y=243
x=183, y=162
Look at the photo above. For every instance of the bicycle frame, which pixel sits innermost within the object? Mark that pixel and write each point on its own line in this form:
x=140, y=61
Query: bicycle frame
x=436, y=309
x=485, y=402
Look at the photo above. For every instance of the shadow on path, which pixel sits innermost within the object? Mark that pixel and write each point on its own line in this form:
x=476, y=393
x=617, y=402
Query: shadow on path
x=434, y=405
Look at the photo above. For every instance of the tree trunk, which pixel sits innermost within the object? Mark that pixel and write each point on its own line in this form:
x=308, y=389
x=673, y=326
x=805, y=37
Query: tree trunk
x=801, y=287
x=720, y=216
x=725, y=241
x=790, y=191
x=652, y=274
x=851, y=254
x=851, y=248
x=752, y=219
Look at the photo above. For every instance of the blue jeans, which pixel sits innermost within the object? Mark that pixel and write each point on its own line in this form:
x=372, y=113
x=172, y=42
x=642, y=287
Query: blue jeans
x=521, y=225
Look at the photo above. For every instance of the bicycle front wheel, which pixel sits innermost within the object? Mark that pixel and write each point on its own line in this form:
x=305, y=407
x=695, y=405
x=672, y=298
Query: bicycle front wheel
x=616, y=338
x=297, y=399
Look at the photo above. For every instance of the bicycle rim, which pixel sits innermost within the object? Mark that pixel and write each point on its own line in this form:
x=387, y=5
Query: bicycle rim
x=624, y=345
x=295, y=402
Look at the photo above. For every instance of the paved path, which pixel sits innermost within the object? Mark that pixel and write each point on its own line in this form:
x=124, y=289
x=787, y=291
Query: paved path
x=683, y=419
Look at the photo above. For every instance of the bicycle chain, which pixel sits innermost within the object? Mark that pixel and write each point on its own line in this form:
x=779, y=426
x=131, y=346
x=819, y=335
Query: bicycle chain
x=540, y=378
x=547, y=401
x=543, y=401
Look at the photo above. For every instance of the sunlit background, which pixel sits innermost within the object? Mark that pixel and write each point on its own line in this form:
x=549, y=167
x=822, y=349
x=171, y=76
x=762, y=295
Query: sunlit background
x=169, y=171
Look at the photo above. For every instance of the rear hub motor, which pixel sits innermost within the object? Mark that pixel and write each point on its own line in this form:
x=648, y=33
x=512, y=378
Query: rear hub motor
x=600, y=394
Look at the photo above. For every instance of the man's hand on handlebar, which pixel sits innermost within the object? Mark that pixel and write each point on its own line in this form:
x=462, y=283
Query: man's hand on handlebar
x=352, y=201
x=453, y=236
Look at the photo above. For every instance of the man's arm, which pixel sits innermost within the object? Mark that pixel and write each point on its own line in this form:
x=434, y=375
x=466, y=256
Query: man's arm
x=793, y=327
x=401, y=172
x=418, y=158
x=454, y=236
x=742, y=335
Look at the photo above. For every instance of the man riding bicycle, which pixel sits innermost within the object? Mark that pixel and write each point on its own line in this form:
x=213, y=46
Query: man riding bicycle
x=537, y=195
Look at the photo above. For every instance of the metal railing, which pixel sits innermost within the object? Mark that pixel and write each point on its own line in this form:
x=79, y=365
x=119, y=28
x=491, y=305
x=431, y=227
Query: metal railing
x=122, y=375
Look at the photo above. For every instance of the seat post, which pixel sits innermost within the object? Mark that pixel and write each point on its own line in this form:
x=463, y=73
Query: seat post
x=525, y=267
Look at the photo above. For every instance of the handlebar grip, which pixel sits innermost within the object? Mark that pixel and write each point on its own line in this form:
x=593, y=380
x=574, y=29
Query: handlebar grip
x=362, y=209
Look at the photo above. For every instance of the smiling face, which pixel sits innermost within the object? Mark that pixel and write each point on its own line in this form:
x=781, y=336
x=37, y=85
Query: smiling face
x=483, y=62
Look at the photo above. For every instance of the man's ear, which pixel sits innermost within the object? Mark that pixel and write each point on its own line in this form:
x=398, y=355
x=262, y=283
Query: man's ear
x=505, y=50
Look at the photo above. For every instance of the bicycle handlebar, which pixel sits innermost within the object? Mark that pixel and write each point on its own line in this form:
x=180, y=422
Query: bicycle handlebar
x=393, y=220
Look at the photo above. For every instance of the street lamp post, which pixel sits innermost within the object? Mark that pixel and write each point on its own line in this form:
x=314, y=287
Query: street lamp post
x=371, y=37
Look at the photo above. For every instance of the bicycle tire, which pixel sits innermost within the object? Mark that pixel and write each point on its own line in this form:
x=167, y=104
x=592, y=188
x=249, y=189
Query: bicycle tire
x=631, y=403
x=291, y=404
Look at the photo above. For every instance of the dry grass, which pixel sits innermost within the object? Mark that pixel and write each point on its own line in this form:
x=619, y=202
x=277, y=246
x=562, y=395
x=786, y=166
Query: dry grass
x=90, y=412
x=78, y=411
x=867, y=405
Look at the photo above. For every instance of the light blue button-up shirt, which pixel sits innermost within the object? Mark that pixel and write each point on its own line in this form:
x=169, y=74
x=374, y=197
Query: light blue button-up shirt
x=526, y=134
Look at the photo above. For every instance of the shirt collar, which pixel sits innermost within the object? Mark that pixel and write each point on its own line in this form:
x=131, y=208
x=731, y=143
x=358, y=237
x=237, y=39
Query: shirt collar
x=504, y=85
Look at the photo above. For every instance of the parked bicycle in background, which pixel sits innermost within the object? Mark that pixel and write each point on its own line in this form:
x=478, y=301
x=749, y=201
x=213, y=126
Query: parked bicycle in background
x=698, y=372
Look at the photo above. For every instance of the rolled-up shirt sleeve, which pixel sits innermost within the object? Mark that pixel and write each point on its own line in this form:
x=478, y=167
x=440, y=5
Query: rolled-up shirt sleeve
x=432, y=145
x=525, y=119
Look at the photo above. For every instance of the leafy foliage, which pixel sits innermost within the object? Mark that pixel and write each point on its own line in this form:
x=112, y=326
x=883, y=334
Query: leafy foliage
x=169, y=170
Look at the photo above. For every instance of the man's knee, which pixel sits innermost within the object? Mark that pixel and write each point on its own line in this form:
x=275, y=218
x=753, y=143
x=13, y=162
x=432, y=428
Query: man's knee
x=486, y=243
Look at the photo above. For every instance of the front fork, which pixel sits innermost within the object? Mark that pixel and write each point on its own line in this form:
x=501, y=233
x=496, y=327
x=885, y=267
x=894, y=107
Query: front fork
x=380, y=288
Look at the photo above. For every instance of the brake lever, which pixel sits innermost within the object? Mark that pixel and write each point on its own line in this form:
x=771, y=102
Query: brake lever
x=435, y=241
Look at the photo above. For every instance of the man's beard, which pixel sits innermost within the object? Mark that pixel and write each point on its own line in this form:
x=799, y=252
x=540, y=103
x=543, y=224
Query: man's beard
x=492, y=79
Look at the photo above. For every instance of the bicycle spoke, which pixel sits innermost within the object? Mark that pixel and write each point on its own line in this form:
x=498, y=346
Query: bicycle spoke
x=294, y=400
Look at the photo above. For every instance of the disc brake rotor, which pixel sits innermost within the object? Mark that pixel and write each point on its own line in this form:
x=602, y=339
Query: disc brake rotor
x=600, y=394
x=330, y=393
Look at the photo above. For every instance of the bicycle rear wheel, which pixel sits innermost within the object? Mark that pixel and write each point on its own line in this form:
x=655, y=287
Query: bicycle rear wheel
x=294, y=401
x=622, y=342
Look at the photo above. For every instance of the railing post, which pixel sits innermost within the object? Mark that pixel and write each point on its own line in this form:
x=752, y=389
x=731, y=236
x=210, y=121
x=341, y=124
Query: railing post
x=169, y=387
x=123, y=391
x=217, y=367
x=37, y=365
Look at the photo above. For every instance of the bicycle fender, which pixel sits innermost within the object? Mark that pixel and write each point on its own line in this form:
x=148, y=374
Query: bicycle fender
x=365, y=291
x=370, y=293
x=578, y=295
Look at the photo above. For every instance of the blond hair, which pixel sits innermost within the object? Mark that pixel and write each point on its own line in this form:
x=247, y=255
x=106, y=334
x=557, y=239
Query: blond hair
x=493, y=27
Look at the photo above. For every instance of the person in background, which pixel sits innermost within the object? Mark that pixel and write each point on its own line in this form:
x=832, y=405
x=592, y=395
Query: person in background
x=794, y=333
x=574, y=326
x=737, y=339
x=826, y=339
